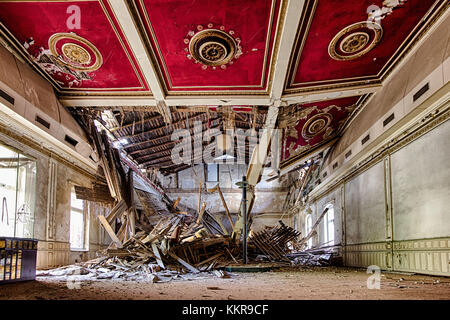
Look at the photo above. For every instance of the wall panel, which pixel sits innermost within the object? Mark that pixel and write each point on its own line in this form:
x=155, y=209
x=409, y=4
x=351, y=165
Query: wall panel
x=365, y=206
x=421, y=186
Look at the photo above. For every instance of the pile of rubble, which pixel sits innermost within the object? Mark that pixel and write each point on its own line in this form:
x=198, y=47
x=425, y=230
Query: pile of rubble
x=156, y=238
x=178, y=250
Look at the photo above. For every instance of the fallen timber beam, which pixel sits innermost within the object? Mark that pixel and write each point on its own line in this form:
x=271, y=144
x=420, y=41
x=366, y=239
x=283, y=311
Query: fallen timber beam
x=110, y=231
x=183, y=263
x=217, y=188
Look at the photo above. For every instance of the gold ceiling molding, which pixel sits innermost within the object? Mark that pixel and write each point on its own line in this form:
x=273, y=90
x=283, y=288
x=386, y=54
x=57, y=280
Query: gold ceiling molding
x=316, y=125
x=218, y=91
x=419, y=32
x=73, y=54
x=212, y=47
x=354, y=41
x=22, y=52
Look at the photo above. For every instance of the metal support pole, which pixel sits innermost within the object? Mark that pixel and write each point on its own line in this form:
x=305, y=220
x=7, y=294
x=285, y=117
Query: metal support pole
x=244, y=215
x=243, y=185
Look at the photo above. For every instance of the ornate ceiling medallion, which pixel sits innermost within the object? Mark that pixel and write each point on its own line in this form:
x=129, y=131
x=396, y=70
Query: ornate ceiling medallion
x=212, y=47
x=316, y=125
x=75, y=52
x=355, y=40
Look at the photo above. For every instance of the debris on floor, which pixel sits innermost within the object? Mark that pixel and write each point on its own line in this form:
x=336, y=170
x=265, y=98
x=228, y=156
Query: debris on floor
x=179, y=248
x=321, y=258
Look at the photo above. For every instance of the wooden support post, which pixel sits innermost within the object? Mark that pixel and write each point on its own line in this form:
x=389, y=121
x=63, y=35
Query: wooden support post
x=256, y=166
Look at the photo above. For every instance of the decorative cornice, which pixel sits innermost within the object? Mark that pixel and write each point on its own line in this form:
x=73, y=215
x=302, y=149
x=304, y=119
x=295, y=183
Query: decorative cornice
x=25, y=136
x=419, y=128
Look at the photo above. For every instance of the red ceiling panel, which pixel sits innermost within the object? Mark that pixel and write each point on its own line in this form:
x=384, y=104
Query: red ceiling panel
x=254, y=23
x=311, y=64
x=313, y=124
x=92, y=58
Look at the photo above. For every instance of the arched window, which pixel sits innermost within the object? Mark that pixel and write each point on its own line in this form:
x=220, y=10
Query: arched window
x=308, y=226
x=329, y=226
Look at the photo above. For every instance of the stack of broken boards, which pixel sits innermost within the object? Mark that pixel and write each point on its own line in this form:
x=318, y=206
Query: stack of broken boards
x=173, y=244
x=181, y=244
x=273, y=241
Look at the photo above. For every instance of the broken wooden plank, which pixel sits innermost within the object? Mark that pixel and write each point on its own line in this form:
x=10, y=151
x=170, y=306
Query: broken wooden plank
x=183, y=263
x=217, y=188
x=117, y=211
x=98, y=193
x=110, y=231
x=225, y=231
x=210, y=259
x=157, y=255
x=175, y=204
x=201, y=212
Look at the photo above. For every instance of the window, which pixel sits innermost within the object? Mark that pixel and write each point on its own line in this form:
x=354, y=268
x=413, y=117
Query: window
x=212, y=172
x=17, y=193
x=308, y=227
x=329, y=226
x=77, y=223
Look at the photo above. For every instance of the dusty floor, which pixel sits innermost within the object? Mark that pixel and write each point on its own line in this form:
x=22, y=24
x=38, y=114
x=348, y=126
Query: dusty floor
x=298, y=284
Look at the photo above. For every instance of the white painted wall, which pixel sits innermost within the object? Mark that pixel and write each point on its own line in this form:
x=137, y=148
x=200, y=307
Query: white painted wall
x=365, y=206
x=421, y=186
x=269, y=196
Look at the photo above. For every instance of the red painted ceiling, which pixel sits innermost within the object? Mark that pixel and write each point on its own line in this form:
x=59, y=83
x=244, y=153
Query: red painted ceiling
x=40, y=20
x=318, y=124
x=312, y=66
x=167, y=23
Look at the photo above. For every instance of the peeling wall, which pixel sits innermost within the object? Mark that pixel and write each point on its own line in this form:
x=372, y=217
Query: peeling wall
x=54, y=244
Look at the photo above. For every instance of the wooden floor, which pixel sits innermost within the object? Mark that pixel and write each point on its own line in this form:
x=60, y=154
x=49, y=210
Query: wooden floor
x=298, y=284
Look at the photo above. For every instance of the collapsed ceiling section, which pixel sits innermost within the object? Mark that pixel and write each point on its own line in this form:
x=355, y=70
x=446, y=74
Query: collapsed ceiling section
x=145, y=137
